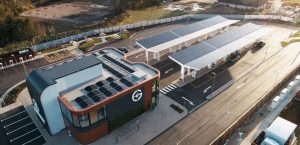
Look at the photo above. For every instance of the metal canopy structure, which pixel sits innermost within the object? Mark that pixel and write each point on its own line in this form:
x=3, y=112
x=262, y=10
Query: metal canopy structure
x=217, y=48
x=179, y=37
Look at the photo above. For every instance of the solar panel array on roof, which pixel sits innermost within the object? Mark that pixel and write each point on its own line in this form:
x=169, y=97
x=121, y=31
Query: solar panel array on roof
x=126, y=82
x=192, y=53
x=20, y=128
x=174, y=34
x=123, y=66
x=230, y=36
x=211, y=45
x=158, y=39
x=199, y=25
x=113, y=71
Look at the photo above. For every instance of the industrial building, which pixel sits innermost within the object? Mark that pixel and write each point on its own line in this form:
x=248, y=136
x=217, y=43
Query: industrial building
x=161, y=45
x=207, y=55
x=92, y=95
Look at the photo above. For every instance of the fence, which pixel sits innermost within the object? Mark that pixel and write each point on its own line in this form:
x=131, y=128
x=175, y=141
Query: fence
x=152, y=23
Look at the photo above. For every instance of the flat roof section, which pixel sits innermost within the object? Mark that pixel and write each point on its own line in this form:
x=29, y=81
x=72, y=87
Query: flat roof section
x=212, y=50
x=19, y=128
x=175, y=37
x=118, y=75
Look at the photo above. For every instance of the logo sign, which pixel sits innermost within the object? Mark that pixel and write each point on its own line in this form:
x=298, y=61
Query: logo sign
x=137, y=95
x=37, y=110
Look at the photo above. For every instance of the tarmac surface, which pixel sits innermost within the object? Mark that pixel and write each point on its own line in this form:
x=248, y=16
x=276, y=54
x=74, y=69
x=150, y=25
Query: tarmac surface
x=255, y=74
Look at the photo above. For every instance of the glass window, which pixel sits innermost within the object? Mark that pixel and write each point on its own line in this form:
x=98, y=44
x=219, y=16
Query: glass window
x=75, y=119
x=93, y=117
x=101, y=113
x=69, y=116
x=84, y=120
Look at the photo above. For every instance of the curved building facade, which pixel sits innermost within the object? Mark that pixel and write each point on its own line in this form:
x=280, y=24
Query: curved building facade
x=93, y=95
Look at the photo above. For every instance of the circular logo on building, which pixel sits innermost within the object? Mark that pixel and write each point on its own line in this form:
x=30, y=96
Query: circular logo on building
x=35, y=106
x=137, y=95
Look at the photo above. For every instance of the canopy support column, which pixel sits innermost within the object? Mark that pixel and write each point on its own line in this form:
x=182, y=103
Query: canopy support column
x=182, y=73
x=147, y=57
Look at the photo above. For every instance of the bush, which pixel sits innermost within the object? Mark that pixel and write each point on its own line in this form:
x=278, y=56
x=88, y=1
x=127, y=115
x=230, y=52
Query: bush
x=13, y=94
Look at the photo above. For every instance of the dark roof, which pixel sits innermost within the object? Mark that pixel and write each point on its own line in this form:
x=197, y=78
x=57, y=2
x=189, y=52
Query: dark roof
x=196, y=51
x=41, y=78
x=252, y=3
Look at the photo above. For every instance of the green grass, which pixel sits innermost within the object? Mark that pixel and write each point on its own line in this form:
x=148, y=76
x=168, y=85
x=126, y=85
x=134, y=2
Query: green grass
x=293, y=1
x=86, y=46
x=13, y=94
x=286, y=43
x=297, y=34
x=152, y=13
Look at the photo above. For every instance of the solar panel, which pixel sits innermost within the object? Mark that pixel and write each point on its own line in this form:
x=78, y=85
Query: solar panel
x=110, y=79
x=126, y=82
x=174, y=34
x=90, y=88
x=113, y=71
x=158, y=39
x=96, y=99
x=211, y=47
x=100, y=84
x=233, y=35
x=81, y=102
x=192, y=53
x=105, y=91
x=123, y=66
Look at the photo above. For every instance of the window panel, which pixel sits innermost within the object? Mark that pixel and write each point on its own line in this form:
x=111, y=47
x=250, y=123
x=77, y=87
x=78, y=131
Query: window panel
x=76, y=121
x=101, y=113
x=93, y=117
x=84, y=120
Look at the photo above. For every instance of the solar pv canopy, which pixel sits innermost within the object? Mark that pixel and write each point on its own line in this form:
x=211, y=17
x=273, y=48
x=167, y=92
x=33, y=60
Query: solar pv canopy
x=218, y=47
x=184, y=34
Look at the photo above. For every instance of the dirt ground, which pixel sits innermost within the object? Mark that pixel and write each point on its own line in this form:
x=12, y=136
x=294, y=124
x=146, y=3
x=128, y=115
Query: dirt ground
x=78, y=12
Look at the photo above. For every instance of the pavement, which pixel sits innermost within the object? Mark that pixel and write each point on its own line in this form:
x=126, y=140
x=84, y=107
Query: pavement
x=139, y=131
x=208, y=122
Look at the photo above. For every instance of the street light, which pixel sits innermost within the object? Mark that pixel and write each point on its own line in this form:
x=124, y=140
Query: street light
x=21, y=59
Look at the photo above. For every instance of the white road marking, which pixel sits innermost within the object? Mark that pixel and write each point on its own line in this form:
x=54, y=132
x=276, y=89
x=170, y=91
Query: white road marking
x=162, y=91
x=167, y=71
x=188, y=101
x=240, y=85
x=168, y=89
x=204, y=91
x=173, y=85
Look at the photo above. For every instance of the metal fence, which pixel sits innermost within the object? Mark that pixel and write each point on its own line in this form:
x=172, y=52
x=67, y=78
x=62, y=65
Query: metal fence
x=65, y=40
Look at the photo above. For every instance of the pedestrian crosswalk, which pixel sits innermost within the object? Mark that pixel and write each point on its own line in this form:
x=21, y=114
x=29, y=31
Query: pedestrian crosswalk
x=168, y=89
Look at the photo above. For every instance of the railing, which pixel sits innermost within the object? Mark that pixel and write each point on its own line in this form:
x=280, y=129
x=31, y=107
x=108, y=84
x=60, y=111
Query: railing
x=61, y=41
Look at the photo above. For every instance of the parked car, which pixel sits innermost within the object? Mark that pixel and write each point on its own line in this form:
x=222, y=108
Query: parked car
x=260, y=44
x=234, y=57
x=124, y=49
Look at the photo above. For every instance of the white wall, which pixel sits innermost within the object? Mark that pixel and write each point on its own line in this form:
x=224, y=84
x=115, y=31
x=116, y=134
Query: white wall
x=49, y=97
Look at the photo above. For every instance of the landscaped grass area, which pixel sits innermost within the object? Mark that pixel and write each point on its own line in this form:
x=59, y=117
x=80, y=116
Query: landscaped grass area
x=85, y=46
x=13, y=94
x=149, y=14
x=293, y=1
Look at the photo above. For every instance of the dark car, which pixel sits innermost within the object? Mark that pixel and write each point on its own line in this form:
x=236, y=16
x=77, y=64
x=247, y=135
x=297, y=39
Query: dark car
x=260, y=44
x=123, y=49
x=234, y=57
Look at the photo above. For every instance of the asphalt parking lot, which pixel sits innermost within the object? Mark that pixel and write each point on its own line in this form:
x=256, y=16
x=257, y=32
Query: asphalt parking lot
x=13, y=75
x=193, y=95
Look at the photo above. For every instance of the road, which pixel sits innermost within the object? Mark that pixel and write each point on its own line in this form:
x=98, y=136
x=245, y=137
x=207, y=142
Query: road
x=208, y=122
x=13, y=75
